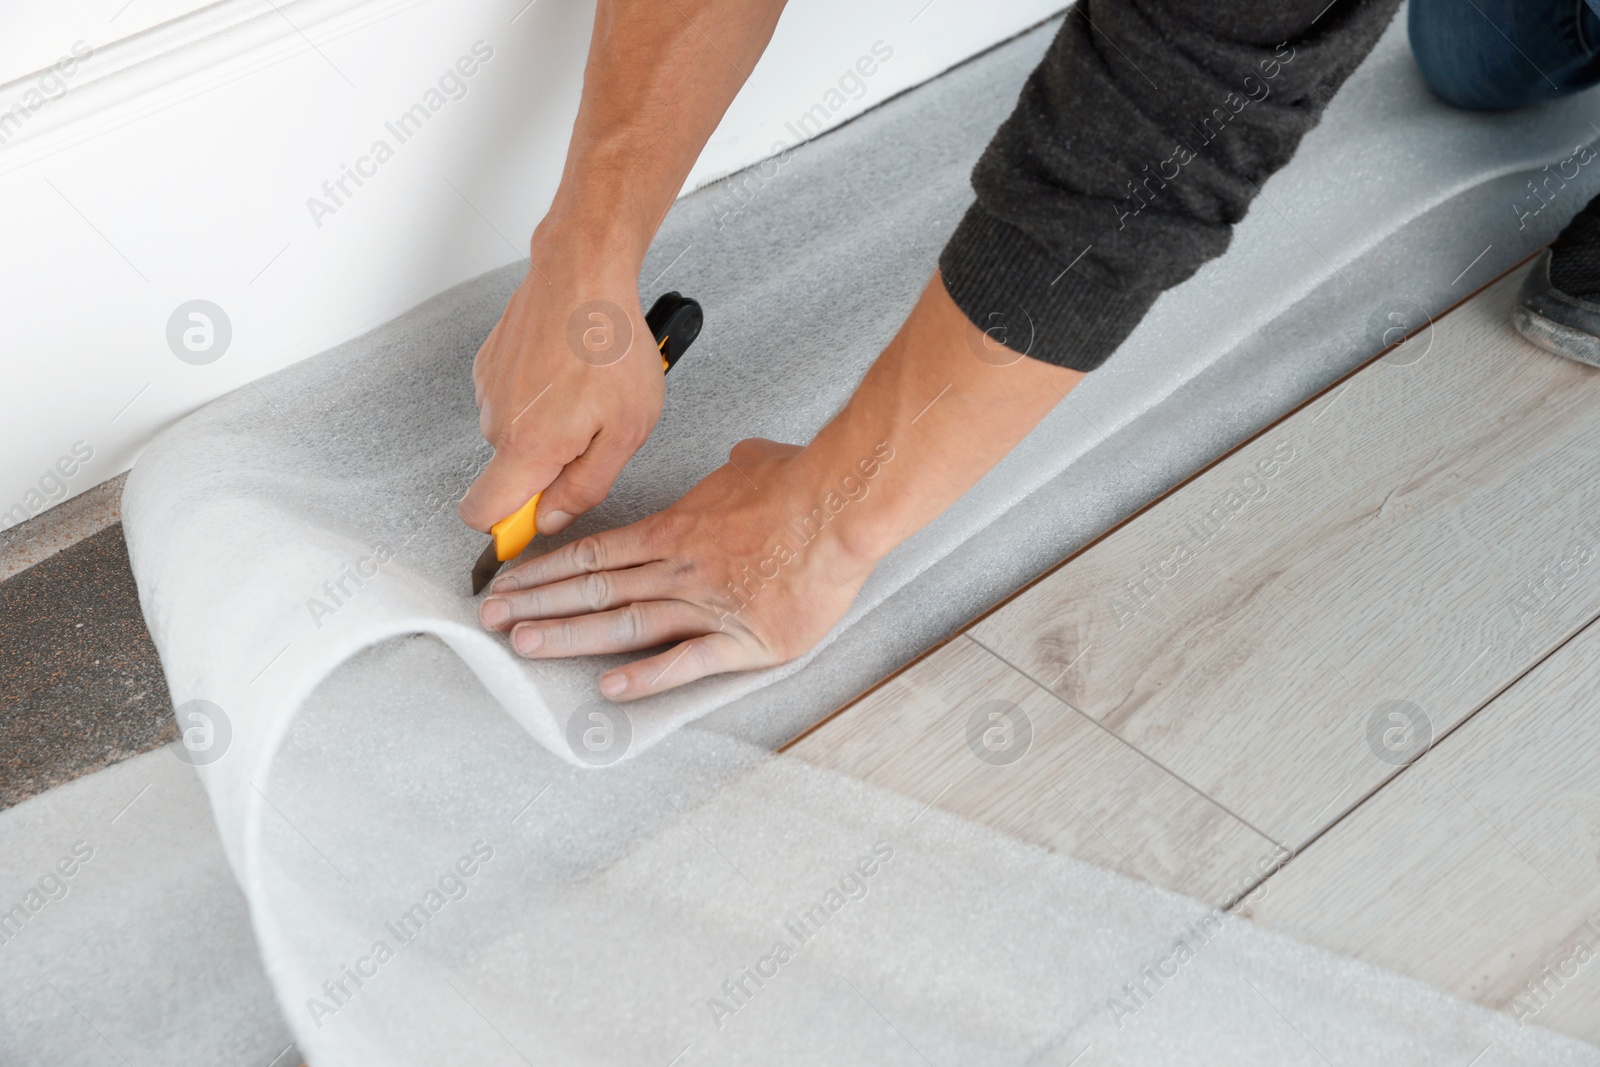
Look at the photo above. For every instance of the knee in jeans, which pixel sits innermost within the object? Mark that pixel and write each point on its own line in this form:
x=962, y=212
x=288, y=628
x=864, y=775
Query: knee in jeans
x=1467, y=62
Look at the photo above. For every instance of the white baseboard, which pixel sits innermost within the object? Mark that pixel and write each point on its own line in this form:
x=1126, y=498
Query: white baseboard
x=121, y=82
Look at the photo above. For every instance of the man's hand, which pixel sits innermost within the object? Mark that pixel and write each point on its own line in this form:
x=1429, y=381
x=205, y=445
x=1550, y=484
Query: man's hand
x=568, y=386
x=569, y=383
x=749, y=569
x=757, y=562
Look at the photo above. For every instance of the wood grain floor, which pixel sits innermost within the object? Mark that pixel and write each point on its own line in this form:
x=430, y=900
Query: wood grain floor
x=1354, y=658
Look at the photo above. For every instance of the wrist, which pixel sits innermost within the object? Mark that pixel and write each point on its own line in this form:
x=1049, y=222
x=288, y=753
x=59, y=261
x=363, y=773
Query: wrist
x=844, y=496
x=605, y=207
x=572, y=245
x=930, y=418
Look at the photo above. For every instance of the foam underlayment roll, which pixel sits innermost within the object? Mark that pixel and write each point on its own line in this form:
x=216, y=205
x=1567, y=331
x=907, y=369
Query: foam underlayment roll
x=352, y=461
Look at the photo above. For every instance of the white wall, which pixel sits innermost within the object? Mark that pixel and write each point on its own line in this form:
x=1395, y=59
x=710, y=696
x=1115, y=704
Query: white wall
x=177, y=166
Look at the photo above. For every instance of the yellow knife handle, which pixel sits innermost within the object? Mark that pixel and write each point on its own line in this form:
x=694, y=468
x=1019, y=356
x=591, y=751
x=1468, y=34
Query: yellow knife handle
x=512, y=533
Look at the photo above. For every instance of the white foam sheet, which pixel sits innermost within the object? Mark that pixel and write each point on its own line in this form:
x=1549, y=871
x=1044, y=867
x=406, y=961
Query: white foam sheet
x=143, y=954
x=242, y=512
x=608, y=916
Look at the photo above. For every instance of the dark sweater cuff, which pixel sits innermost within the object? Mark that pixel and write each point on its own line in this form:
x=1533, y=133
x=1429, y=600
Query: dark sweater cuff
x=1028, y=301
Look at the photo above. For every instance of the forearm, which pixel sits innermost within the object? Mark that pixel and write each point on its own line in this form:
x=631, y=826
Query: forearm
x=660, y=76
x=945, y=403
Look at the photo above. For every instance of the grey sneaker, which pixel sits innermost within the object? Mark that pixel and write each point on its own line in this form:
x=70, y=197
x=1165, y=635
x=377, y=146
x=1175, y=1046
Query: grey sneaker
x=1559, y=308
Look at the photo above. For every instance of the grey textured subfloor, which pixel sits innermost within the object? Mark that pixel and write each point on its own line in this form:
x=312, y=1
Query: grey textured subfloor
x=80, y=684
x=34, y=540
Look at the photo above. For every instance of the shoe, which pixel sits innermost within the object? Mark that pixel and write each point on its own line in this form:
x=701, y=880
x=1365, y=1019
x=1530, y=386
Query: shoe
x=1559, y=307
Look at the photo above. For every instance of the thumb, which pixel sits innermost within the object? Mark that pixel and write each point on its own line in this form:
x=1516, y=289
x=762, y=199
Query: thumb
x=507, y=483
x=583, y=483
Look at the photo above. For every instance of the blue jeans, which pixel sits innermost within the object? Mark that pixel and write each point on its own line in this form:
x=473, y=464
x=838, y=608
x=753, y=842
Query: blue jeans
x=1489, y=55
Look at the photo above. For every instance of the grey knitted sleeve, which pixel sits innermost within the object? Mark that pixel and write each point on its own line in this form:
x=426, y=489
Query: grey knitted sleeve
x=1135, y=146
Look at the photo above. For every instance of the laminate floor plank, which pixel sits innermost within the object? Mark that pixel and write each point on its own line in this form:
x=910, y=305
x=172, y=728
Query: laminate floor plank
x=1416, y=539
x=1033, y=767
x=1477, y=869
